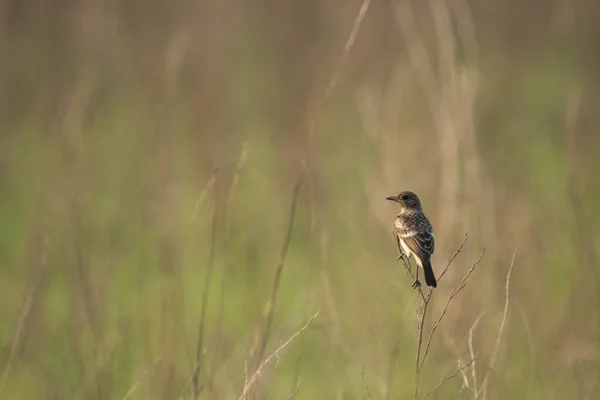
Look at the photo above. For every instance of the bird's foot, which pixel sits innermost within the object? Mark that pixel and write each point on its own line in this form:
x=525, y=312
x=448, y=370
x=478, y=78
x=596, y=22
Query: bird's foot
x=416, y=284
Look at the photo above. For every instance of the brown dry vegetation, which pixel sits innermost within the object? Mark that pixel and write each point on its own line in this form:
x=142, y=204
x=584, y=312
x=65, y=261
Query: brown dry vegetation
x=149, y=157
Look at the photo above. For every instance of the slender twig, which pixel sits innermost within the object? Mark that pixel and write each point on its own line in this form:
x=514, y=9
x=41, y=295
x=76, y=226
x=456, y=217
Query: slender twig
x=256, y=373
x=311, y=191
x=422, y=313
x=205, y=190
x=246, y=380
x=270, y=307
x=500, y=330
x=207, y=282
x=23, y=317
x=33, y=294
x=268, y=313
x=466, y=30
x=188, y=382
x=417, y=53
x=530, y=340
x=453, y=256
x=296, y=390
x=298, y=367
x=465, y=381
x=327, y=288
x=505, y=313
x=362, y=377
x=472, y=350
x=453, y=294
x=199, y=201
x=335, y=77
x=229, y=265
x=149, y=373
x=450, y=376
x=234, y=183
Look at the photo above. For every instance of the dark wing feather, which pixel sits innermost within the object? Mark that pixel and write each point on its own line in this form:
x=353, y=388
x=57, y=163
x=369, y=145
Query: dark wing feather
x=422, y=244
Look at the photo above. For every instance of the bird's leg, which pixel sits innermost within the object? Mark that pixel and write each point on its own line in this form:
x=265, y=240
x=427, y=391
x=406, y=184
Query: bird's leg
x=402, y=254
x=416, y=283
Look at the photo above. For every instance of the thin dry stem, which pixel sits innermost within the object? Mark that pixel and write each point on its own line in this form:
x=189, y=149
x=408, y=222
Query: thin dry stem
x=417, y=53
x=296, y=390
x=422, y=313
x=450, y=376
x=33, y=294
x=336, y=74
x=256, y=374
x=362, y=377
x=149, y=373
x=188, y=382
x=472, y=350
x=442, y=86
x=453, y=294
x=298, y=366
x=229, y=265
x=453, y=256
x=234, y=183
x=270, y=307
x=268, y=314
x=207, y=282
x=500, y=331
x=327, y=288
x=505, y=312
x=466, y=30
x=207, y=188
x=246, y=380
x=529, y=339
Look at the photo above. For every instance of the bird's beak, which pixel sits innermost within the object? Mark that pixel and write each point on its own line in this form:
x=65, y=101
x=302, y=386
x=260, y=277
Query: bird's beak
x=392, y=198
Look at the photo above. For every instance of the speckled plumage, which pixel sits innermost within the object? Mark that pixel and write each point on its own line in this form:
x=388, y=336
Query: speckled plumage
x=414, y=233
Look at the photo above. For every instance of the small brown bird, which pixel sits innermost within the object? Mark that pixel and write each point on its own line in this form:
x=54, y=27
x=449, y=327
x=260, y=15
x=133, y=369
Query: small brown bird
x=414, y=234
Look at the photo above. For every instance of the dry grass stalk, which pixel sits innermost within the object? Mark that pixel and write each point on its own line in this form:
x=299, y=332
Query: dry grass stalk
x=450, y=376
x=148, y=374
x=492, y=365
x=207, y=282
x=229, y=265
x=33, y=294
x=270, y=307
x=336, y=74
x=472, y=350
x=362, y=377
x=461, y=286
x=250, y=382
x=203, y=194
x=470, y=383
x=424, y=300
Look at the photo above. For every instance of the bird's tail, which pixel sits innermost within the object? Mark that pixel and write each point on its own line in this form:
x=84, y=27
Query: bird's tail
x=429, y=276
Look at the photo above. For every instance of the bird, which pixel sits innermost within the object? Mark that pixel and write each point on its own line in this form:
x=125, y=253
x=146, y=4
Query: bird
x=414, y=234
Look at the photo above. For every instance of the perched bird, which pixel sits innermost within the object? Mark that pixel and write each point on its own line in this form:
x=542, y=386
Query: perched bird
x=414, y=234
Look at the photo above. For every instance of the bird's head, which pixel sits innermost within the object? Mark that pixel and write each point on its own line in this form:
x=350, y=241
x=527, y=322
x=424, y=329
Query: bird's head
x=408, y=200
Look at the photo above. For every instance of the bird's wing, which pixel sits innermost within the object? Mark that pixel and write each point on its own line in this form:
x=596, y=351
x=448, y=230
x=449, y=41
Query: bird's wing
x=422, y=244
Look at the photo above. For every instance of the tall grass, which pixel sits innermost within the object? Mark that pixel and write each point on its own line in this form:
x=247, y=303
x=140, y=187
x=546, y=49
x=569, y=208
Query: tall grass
x=142, y=144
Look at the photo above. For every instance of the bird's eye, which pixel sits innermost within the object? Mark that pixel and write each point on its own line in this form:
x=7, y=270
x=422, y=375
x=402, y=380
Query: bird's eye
x=404, y=197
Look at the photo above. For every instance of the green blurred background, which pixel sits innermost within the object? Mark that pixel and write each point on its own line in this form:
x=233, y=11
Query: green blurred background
x=148, y=152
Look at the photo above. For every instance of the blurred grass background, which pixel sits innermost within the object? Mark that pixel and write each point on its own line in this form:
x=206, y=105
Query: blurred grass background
x=122, y=125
